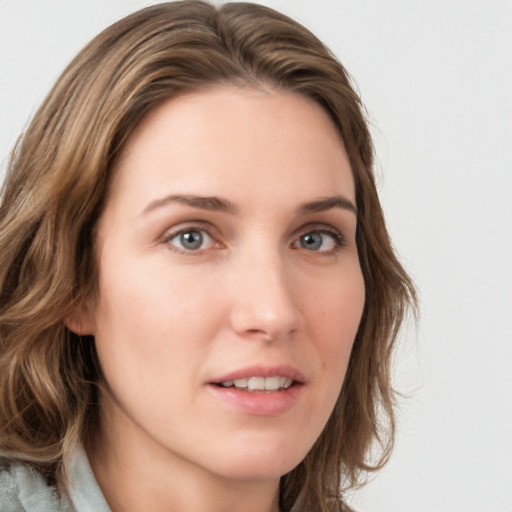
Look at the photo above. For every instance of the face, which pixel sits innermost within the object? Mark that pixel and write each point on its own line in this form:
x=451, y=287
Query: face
x=230, y=290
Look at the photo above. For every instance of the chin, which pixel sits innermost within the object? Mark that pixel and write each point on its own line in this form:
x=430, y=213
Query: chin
x=263, y=462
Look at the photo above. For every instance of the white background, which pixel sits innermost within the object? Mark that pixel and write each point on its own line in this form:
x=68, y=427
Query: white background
x=436, y=78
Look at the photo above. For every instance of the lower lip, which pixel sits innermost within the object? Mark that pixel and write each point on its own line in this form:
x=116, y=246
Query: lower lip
x=260, y=403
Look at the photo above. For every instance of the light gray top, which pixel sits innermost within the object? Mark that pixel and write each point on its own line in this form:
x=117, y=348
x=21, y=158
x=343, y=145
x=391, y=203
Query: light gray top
x=23, y=489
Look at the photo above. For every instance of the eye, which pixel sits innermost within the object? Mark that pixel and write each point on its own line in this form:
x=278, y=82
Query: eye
x=320, y=241
x=191, y=239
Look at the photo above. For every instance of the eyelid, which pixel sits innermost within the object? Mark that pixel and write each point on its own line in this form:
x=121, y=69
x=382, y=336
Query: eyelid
x=318, y=227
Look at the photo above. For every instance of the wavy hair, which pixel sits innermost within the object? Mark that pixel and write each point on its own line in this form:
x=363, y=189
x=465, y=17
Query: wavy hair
x=55, y=188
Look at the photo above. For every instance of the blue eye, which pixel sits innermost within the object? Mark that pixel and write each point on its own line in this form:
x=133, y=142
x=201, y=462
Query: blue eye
x=321, y=241
x=191, y=240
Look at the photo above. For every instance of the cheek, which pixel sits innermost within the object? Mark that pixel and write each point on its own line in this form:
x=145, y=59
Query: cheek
x=334, y=315
x=150, y=341
x=147, y=319
x=335, y=309
x=154, y=297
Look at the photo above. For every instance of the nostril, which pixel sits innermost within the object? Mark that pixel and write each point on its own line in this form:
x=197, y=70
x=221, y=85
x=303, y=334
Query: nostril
x=261, y=333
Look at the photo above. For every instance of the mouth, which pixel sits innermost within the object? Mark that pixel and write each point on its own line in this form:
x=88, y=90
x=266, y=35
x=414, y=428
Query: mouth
x=260, y=390
x=261, y=379
x=258, y=384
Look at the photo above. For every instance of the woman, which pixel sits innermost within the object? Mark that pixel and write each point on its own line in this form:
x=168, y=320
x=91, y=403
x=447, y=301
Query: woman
x=199, y=298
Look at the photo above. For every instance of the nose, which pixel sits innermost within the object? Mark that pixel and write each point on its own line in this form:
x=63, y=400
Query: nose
x=264, y=305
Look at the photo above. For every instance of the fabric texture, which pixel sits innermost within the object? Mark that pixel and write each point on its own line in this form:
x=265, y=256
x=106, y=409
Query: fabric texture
x=23, y=489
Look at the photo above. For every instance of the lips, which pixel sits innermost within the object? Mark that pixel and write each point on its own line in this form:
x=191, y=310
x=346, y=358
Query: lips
x=260, y=390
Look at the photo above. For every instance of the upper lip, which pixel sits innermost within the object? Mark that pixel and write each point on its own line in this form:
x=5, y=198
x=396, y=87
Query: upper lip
x=281, y=370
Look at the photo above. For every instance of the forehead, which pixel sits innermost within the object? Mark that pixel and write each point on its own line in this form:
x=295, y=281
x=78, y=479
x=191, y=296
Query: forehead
x=234, y=141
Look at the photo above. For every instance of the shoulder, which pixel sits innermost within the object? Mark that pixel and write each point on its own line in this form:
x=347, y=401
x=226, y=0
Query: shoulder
x=23, y=489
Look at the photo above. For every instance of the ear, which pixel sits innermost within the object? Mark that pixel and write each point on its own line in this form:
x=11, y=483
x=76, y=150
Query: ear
x=81, y=320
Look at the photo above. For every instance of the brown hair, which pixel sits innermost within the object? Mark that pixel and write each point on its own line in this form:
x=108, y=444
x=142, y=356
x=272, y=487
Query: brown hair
x=55, y=189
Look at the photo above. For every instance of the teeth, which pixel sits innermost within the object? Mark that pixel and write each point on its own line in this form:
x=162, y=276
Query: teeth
x=259, y=383
x=256, y=383
x=240, y=383
x=272, y=383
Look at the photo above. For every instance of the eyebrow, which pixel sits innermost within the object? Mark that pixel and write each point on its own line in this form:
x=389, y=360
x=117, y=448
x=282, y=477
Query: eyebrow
x=203, y=202
x=323, y=204
x=213, y=203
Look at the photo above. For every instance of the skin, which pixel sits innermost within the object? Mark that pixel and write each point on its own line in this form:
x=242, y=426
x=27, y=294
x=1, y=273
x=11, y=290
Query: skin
x=169, y=319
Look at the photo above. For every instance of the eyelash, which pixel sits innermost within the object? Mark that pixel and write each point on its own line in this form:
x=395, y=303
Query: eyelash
x=168, y=237
x=337, y=237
